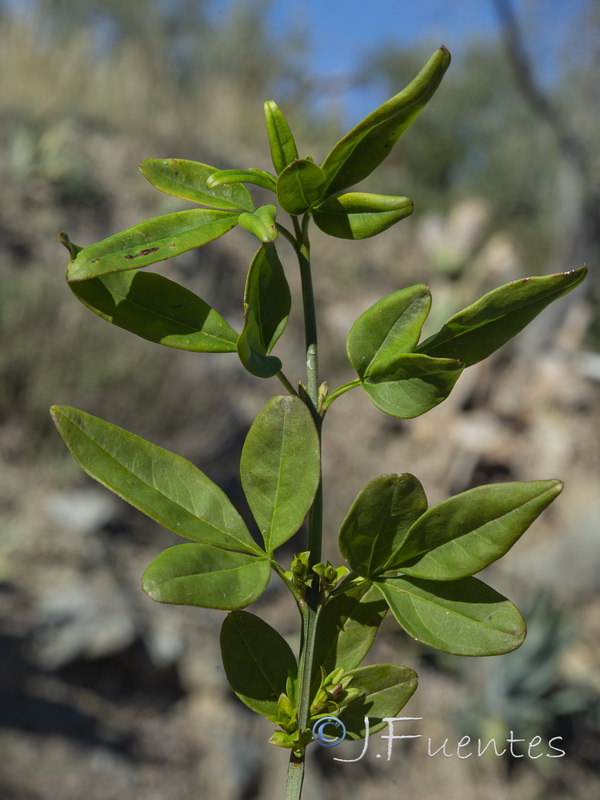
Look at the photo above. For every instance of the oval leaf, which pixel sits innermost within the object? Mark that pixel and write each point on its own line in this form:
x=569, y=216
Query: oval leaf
x=188, y=180
x=158, y=310
x=466, y=533
x=386, y=689
x=151, y=241
x=379, y=520
x=480, y=329
x=257, y=661
x=281, y=141
x=166, y=487
x=465, y=617
x=280, y=468
x=388, y=328
x=411, y=384
x=300, y=186
x=347, y=626
x=359, y=215
x=206, y=576
x=371, y=141
x=258, y=177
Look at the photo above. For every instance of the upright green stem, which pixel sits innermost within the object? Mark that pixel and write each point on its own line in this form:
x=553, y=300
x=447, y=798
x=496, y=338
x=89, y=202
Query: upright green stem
x=309, y=607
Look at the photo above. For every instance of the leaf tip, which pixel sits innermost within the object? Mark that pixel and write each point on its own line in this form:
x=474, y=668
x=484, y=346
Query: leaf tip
x=73, y=248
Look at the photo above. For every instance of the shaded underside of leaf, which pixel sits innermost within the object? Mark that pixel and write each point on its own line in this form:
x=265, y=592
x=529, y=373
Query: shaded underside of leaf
x=257, y=661
x=267, y=304
x=268, y=293
x=164, y=486
x=359, y=215
x=206, y=576
x=251, y=350
x=463, y=617
x=158, y=310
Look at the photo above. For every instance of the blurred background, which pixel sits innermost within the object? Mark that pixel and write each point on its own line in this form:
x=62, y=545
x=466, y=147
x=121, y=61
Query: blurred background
x=105, y=695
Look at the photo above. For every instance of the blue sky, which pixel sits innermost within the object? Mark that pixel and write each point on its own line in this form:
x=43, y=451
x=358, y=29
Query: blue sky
x=341, y=32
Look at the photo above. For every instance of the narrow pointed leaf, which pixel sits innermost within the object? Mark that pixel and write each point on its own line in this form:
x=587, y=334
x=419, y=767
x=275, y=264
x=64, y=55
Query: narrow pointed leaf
x=158, y=310
x=267, y=304
x=464, y=534
x=355, y=156
x=411, y=384
x=281, y=141
x=379, y=521
x=227, y=177
x=464, y=617
x=206, y=576
x=358, y=215
x=257, y=661
x=261, y=223
x=386, y=689
x=151, y=241
x=480, y=329
x=347, y=626
x=164, y=486
x=280, y=468
x=300, y=186
x=189, y=180
x=388, y=328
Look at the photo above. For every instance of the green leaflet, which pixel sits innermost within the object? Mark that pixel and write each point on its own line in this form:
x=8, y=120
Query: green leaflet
x=261, y=223
x=300, y=186
x=267, y=304
x=162, y=485
x=190, y=180
x=410, y=384
x=385, y=688
x=355, y=156
x=257, y=661
x=464, y=534
x=281, y=141
x=463, y=617
x=206, y=576
x=480, y=329
x=258, y=177
x=280, y=468
x=358, y=215
x=251, y=349
x=151, y=241
x=379, y=521
x=347, y=626
x=157, y=309
x=388, y=328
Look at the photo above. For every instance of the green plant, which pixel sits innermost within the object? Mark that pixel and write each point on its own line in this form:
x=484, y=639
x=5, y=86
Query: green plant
x=402, y=556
